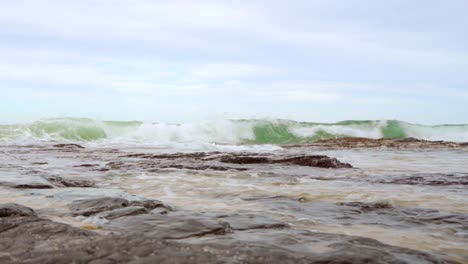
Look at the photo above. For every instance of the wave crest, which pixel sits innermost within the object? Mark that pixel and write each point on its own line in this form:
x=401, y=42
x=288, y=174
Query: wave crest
x=233, y=132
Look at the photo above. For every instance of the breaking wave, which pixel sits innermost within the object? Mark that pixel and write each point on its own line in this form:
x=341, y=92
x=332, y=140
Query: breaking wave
x=230, y=132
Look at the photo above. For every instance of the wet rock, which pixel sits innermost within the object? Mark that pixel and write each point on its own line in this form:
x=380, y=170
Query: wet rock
x=26, y=182
x=32, y=186
x=245, y=159
x=102, y=169
x=43, y=241
x=86, y=165
x=120, y=212
x=39, y=163
x=93, y=206
x=12, y=209
x=90, y=207
x=201, y=167
x=315, y=161
x=217, y=161
x=366, y=207
x=63, y=182
x=386, y=214
x=150, y=204
x=434, y=179
x=193, y=155
x=35, y=240
x=169, y=226
x=321, y=247
x=310, y=161
x=383, y=213
x=248, y=221
x=69, y=146
x=30, y=239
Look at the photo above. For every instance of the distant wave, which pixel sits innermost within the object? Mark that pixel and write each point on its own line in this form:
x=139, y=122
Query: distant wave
x=234, y=132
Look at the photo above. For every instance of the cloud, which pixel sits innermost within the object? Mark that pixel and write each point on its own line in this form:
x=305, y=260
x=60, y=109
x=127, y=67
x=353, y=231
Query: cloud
x=229, y=70
x=227, y=55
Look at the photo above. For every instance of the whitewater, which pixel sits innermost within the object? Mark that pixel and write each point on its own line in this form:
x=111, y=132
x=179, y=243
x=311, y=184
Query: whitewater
x=222, y=132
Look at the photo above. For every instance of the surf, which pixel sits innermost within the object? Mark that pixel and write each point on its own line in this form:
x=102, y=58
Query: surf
x=225, y=132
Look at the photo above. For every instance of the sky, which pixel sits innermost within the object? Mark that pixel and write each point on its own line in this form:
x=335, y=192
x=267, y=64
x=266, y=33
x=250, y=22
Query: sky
x=191, y=60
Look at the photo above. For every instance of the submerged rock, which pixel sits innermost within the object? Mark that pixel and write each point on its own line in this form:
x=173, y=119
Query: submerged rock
x=248, y=221
x=64, y=182
x=434, y=179
x=26, y=182
x=30, y=239
x=168, y=226
x=361, y=213
x=12, y=209
x=93, y=206
x=121, y=212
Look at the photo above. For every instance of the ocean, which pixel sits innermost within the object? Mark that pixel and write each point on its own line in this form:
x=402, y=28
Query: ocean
x=402, y=184
x=222, y=132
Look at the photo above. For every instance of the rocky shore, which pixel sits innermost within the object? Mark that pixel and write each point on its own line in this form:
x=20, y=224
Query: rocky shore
x=150, y=232
x=79, y=218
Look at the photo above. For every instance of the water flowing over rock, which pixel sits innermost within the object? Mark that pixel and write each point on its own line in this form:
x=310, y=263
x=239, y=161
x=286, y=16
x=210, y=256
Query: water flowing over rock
x=26, y=238
x=401, y=201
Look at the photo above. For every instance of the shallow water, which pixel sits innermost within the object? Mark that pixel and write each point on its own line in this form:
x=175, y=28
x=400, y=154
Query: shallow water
x=422, y=195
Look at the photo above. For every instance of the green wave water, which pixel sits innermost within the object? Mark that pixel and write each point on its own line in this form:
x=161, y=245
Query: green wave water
x=244, y=131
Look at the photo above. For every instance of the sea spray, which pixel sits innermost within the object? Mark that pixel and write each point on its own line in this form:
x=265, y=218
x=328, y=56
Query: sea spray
x=226, y=132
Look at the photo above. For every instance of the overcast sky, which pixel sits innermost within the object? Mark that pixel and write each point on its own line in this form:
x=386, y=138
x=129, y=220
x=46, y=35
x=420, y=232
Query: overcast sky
x=189, y=60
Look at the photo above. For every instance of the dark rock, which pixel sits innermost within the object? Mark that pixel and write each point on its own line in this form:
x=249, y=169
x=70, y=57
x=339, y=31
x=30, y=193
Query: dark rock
x=360, y=213
x=93, y=206
x=251, y=221
x=310, y=161
x=32, y=186
x=86, y=165
x=434, y=179
x=320, y=247
x=366, y=207
x=63, y=182
x=30, y=239
x=150, y=204
x=201, y=167
x=120, y=212
x=102, y=169
x=169, y=226
x=244, y=159
x=43, y=241
x=315, y=161
x=12, y=209
x=216, y=161
x=69, y=146
x=193, y=155
x=39, y=163
x=27, y=182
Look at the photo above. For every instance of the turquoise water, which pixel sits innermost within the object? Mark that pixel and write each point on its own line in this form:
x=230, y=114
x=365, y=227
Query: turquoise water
x=246, y=131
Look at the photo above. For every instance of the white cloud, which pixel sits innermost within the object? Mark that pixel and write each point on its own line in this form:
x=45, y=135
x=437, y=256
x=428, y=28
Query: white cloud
x=229, y=70
x=239, y=51
x=308, y=96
